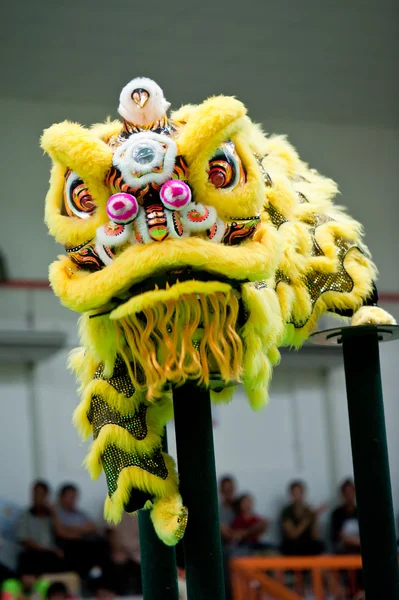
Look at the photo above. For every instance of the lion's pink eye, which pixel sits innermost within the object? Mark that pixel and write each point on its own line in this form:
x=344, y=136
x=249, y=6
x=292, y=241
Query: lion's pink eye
x=175, y=194
x=122, y=208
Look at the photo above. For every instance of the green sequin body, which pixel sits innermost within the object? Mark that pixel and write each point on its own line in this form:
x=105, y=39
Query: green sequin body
x=115, y=460
x=101, y=414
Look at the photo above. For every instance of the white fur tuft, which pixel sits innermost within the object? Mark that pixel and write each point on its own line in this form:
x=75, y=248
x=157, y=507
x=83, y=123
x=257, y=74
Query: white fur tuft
x=153, y=109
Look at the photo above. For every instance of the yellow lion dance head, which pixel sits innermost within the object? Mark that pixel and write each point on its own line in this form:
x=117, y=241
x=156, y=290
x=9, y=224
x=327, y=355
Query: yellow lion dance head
x=195, y=247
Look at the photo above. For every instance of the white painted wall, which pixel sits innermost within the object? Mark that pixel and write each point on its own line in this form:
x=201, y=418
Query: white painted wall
x=16, y=466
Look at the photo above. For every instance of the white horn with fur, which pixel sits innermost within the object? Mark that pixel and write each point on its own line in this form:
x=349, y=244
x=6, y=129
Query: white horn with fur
x=142, y=102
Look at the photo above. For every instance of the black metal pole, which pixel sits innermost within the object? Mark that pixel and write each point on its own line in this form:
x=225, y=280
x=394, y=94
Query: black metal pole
x=196, y=462
x=158, y=561
x=370, y=463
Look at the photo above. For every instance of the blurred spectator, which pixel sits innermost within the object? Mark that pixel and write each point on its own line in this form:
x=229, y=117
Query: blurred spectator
x=57, y=591
x=74, y=520
x=35, y=532
x=10, y=514
x=227, y=499
x=251, y=526
x=299, y=525
x=124, y=544
x=5, y=573
x=27, y=584
x=103, y=589
x=77, y=534
x=344, y=524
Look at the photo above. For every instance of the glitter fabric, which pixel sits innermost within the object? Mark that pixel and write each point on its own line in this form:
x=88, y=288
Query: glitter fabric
x=266, y=177
x=317, y=282
x=282, y=277
x=182, y=520
x=276, y=217
x=302, y=198
x=258, y=285
x=120, y=379
x=331, y=282
x=115, y=460
x=101, y=414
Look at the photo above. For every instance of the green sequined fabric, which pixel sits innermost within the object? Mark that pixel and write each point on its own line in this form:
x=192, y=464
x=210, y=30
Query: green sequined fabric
x=120, y=379
x=276, y=217
x=114, y=460
x=101, y=414
x=317, y=282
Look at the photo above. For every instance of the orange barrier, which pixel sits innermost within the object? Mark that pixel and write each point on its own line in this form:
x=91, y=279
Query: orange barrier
x=263, y=578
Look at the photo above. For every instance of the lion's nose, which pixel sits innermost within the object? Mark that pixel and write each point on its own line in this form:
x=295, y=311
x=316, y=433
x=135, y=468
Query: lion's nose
x=145, y=153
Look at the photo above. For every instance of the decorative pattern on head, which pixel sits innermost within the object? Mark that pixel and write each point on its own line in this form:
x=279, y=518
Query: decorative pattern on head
x=196, y=246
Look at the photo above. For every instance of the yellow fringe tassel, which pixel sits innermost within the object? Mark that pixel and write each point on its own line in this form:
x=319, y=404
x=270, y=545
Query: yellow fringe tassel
x=178, y=340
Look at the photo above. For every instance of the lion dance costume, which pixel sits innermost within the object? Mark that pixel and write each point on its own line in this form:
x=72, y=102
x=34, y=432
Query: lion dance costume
x=196, y=246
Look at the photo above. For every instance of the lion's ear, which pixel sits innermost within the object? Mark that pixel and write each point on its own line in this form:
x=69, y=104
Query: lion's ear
x=77, y=148
x=77, y=189
x=209, y=124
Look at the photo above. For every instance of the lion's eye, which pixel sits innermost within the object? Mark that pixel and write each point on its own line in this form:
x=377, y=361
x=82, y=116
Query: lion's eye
x=77, y=199
x=220, y=173
x=225, y=169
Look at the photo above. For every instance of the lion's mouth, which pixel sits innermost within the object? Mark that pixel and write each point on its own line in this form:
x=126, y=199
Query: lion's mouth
x=163, y=269
x=165, y=281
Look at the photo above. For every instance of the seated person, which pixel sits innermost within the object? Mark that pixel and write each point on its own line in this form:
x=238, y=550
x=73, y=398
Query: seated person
x=10, y=514
x=227, y=499
x=35, y=533
x=299, y=525
x=77, y=534
x=102, y=588
x=124, y=569
x=344, y=524
x=25, y=585
x=251, y=526
x=57, y=591
x=5, y=573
